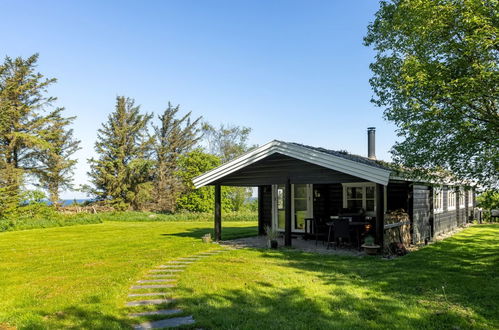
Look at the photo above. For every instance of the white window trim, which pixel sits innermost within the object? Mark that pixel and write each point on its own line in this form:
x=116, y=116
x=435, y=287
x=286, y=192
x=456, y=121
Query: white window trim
x=440, y=192
x=462, y=198
x=363, y=185
x=470, y=198
x=451, y=191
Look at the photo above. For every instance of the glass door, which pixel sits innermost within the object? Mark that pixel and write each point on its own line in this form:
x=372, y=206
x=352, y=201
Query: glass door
x=280, y=205
x=301, y=206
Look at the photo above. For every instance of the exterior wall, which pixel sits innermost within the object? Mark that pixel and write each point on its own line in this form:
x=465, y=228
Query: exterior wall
x=264, y=208
x=422, y=209
x=450, y=219
x=328, y=200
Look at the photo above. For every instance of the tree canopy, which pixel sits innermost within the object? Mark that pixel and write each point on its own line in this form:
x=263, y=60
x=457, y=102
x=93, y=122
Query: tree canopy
x=436, y=74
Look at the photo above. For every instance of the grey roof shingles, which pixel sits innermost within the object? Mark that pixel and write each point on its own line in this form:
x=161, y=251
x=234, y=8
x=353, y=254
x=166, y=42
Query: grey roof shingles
x=345, y=155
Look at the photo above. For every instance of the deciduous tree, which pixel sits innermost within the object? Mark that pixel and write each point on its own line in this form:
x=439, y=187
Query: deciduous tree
x=436, y=73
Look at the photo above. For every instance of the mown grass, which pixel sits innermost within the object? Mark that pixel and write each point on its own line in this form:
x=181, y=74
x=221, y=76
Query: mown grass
x=78, y=277
x=452, y=284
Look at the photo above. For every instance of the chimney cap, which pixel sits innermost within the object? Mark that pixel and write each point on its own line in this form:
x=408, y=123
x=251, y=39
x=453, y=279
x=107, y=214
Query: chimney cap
x=371, y=128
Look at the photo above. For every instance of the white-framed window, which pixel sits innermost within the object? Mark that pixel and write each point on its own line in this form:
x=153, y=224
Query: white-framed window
x=438, y=200
x=462, y=198
x=360, y=195
x=451, y=199
x=470, y=198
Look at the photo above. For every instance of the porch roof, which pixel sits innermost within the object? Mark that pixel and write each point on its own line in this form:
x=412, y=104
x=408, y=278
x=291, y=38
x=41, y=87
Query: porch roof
x=275, y=161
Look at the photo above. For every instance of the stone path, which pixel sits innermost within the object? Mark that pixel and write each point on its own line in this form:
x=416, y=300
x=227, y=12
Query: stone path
x=163, y=277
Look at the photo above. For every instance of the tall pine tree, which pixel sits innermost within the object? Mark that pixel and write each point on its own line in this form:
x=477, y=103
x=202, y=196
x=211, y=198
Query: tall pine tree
x=123, y=172
x=173, y=138
x=25, y=116
x=56, y=171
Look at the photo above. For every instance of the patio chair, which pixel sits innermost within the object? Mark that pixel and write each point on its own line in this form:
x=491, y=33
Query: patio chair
x=341, y=232
x=316, y=228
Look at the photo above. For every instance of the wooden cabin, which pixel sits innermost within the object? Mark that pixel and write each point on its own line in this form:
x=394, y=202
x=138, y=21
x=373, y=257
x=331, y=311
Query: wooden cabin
x=298, y=182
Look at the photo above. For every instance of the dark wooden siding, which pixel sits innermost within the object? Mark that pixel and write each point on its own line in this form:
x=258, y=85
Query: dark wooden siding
x=447, y=220
x=265, y=208
x=328, y=200
x=421, y=213
x=277, y=168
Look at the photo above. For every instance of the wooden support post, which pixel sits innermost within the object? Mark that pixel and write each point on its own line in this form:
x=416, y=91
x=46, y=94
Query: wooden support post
x=261, y=227
x=218, y=213
x=287, y=214
x=380, y=216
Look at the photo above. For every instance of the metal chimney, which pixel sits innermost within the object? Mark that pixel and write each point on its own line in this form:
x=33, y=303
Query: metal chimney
x=371, y=143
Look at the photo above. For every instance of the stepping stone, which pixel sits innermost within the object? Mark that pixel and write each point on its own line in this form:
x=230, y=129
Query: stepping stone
x=172, y=276
x=168, y=323
x=172, y=266
x=154, y=286
x=149, y=302
x=189, y=258
x=181, y=262
x=166, y=270
x=158, y=312
x=146, y=294
x=156, y=281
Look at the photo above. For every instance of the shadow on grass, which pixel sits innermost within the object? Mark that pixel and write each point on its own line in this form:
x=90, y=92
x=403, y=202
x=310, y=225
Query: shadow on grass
x=227, y=232
x=452, y=284
x=79, y=317
x=457, y=276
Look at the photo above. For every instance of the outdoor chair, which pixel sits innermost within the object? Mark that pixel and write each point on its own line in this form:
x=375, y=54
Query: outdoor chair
x=315, y=227
x=341, y=232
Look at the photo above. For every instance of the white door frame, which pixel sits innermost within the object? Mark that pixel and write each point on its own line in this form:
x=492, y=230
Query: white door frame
x=275, y=215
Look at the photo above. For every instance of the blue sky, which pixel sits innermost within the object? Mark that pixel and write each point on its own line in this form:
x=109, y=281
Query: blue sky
x=290, y=70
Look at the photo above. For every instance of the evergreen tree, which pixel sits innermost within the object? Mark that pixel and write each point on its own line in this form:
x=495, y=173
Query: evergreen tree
x=23, y=121
x=55, y=173
x=173, y=138
x=123, y=172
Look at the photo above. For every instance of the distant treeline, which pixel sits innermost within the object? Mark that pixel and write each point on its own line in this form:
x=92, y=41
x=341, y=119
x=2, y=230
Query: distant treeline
x=139, y=165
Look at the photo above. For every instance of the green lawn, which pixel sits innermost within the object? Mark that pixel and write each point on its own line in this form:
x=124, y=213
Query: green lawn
x=79, y=277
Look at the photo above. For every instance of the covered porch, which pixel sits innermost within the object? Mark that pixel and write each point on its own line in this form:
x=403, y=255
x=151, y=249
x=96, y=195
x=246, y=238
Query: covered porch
x=297, y=182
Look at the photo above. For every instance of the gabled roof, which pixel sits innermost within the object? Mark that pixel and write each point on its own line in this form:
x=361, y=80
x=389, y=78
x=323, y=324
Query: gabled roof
x=357, y=166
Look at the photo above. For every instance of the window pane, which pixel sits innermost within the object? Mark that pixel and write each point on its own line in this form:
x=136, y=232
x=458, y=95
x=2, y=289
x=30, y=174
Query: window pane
x=300, y=204
x=354, y=192
x=300, y=190
x=370, y=205
x=354, y=204
x=370, y=192
x=280, y=198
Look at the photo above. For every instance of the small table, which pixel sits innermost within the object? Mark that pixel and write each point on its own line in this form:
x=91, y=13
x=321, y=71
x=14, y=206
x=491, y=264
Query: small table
x=357, y=226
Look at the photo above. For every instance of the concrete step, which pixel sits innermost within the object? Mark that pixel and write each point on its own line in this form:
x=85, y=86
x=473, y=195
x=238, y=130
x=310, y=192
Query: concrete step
x=170, y=276
x=166, y=270
x=158, y=312
x=149, y=302
x=146, y=294
x=153, y=286
x=168, y=323
x=157, y=281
